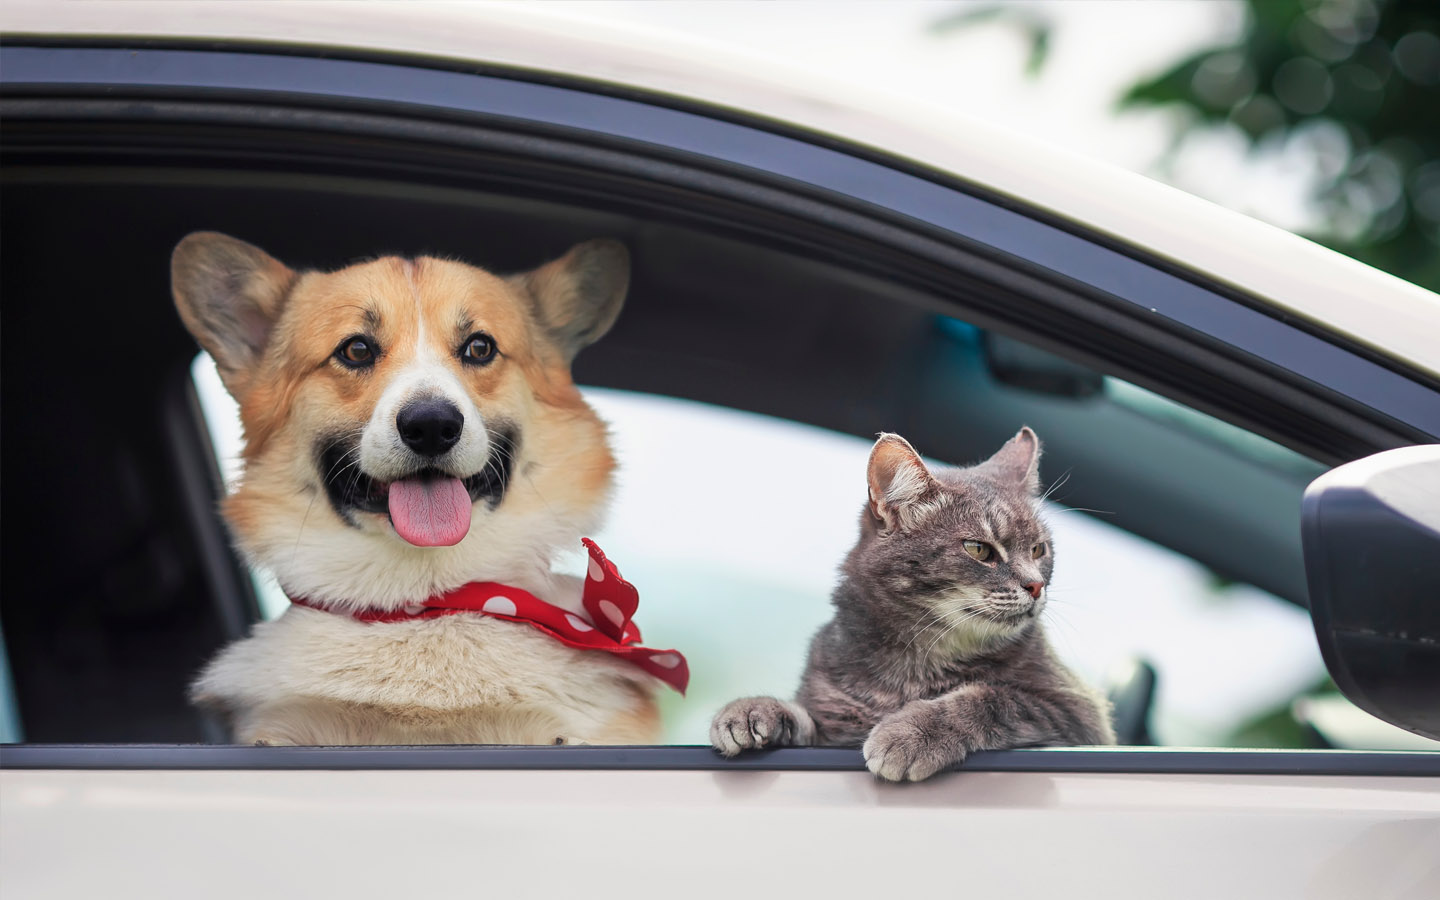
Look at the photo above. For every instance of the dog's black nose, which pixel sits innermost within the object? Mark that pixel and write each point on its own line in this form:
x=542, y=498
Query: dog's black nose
x=430, y=427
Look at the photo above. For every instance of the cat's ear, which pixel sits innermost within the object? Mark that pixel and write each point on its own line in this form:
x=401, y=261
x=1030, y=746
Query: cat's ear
x=898, y=479
x=1018, y=462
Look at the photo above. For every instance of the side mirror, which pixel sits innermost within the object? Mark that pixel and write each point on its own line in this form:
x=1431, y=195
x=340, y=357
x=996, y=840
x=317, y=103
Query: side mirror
x=1371, y=533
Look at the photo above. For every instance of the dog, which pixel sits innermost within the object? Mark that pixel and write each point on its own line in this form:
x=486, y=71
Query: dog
x=411, y=427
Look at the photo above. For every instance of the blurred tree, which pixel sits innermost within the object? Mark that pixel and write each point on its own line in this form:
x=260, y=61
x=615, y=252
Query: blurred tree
x=1353, y=83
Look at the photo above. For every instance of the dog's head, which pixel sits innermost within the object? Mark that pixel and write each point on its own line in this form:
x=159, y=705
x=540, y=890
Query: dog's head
x=409, y=424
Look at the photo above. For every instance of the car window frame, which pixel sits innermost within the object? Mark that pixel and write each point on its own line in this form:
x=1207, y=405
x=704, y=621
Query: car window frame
x=1212, y=327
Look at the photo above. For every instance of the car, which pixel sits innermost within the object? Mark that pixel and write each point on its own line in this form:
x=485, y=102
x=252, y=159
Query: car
x=811, y=265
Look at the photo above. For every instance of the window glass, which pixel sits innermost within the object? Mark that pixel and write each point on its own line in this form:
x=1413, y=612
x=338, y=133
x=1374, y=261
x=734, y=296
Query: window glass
x=1237, y=440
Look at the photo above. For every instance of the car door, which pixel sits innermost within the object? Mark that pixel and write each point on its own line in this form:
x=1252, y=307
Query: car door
x=781, y=273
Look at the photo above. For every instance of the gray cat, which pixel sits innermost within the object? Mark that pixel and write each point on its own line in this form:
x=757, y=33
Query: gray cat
x=936, y=648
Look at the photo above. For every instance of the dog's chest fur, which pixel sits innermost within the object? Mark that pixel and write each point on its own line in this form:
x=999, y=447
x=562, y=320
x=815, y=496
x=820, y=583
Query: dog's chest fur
x=466, y=677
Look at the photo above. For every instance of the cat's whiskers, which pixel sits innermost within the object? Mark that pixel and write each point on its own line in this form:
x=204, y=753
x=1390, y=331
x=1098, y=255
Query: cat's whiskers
x=1056, y=486
x=936, y=618
x=1084, y=509
x=1068, y=635
x=982, y=636
x=1065, y=634
x=954, y=626
x=941, y=636
x=941, y=613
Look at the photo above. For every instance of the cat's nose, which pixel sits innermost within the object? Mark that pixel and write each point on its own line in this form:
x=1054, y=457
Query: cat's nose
x=1035, y=587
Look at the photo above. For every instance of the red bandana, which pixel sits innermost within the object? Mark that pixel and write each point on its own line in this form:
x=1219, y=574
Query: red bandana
x=609, y=599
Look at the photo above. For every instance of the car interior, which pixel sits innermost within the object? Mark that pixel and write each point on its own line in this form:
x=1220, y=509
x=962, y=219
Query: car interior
x=118, y=579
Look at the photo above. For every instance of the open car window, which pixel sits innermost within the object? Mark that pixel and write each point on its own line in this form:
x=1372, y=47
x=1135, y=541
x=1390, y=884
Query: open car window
x=806, y=283
x=732, y=525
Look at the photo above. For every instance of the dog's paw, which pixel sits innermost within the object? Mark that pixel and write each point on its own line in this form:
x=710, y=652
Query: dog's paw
x=754, y=723
x=910, y=745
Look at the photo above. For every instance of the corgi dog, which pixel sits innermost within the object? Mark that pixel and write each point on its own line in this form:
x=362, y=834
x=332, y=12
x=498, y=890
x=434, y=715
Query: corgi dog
x=411, y=426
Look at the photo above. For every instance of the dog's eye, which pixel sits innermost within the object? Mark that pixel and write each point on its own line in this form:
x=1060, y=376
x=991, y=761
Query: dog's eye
x=479, y=348
x=357, y=352
x=980, y=550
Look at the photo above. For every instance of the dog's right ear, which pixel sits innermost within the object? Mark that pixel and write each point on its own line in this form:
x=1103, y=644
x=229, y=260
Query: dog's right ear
x=229, y=295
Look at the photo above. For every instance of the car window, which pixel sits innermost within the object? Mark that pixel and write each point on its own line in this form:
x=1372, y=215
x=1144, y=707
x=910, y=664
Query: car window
x=803, y=282
x=732, y=523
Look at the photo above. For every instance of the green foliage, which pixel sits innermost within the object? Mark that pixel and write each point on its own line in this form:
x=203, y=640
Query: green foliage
x=1359, y=81
x=1355, y=83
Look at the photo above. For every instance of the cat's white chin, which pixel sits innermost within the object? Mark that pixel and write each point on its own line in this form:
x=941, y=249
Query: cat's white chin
x=973, y=633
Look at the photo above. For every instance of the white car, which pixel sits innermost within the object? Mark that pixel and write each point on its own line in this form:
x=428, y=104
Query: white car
x=812, y=266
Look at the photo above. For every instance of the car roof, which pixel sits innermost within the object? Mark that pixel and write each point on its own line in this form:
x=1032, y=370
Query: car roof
x=1290, y=273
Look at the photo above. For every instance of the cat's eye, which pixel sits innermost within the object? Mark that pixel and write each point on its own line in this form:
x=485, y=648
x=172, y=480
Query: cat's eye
x=980, y=550
x=479, y=348
x=357, y=352
x=1037, y=551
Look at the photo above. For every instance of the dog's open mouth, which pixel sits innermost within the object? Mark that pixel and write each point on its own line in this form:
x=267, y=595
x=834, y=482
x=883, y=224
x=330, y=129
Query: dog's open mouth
x=428, y=508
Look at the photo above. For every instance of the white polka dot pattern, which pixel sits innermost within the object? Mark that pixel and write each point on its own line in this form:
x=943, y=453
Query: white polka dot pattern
x=499, y=606
x=612, y=612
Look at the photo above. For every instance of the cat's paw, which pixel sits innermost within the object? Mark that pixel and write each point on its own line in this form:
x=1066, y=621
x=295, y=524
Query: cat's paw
x=910, y=746
x=754, y=723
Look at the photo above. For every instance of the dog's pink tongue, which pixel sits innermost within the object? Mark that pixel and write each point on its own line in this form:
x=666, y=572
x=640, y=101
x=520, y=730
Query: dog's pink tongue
x=430, y=513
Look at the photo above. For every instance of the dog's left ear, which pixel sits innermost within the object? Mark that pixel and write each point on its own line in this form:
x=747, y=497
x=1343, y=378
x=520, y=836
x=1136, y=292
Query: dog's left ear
x=578, y=296
x=229, y=294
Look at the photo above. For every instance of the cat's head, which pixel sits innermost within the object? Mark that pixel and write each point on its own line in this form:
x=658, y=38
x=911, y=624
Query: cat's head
x=962, y=551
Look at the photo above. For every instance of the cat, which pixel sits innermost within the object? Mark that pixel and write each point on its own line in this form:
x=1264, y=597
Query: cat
x=936, y=648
